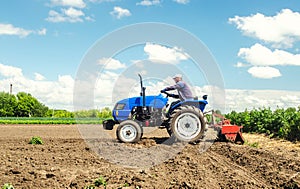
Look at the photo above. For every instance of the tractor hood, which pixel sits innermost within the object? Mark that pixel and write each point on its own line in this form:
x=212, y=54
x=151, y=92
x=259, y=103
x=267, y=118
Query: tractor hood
x=123, y=107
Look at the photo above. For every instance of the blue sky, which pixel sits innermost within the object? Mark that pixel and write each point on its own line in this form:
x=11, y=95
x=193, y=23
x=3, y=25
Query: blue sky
x=255, y=43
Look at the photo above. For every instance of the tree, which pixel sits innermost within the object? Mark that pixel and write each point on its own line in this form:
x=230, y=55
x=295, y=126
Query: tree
x=28, y=106
x=8, y=104
x=105, y=113
x=59, y=113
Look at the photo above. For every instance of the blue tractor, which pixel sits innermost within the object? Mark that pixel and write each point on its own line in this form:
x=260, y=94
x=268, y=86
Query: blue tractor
x=183, y=120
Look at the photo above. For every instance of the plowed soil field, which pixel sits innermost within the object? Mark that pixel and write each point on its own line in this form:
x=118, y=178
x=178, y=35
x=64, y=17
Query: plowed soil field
x=65, y=160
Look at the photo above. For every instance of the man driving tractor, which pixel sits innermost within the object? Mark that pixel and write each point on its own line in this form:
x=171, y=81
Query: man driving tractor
x=184, y=91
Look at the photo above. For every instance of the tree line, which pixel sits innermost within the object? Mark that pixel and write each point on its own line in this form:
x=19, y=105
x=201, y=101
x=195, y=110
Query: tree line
x=21, y=105
x=25, y=105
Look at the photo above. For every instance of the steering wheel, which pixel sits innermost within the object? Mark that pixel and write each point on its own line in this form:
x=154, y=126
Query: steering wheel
x=170, y=95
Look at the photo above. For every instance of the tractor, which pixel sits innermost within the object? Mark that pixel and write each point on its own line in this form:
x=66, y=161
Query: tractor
x=184, y=120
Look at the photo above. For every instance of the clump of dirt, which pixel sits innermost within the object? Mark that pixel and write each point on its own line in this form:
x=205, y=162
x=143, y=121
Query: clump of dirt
x=66, y=161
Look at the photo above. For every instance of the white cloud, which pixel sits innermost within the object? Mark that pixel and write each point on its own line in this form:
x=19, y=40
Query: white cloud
x=69, y=3
x=149, y=2
x=42, y=31
x=120, y=12
x=264, y=72
x=235, y=99
x=158, y=2
x=10, y=71
x=101, y=1
x=9, y=29
x=165, y=54
x=66, y=80
x=89, y=18
x=182, y=1
x=291, y=97
x=112, y=87
x=39, y=77
x=282, y=30
x=260, y=55
x=240, y=65
x=71, y=15
x=57, y=94
x=74, y=13
x=262, y=58
x=111, y=64
x=239, y=100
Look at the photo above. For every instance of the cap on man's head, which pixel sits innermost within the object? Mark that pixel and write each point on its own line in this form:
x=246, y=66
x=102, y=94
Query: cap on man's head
x=177, y=75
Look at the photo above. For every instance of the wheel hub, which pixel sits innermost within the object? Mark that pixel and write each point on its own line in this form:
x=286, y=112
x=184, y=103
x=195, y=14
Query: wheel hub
x=188, y=126
x=128, y=132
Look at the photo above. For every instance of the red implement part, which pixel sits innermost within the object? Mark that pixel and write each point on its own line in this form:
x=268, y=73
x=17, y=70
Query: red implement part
x=232, y=133
x=228, y=131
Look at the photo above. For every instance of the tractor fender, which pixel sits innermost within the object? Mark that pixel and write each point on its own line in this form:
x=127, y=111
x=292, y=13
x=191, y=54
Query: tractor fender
x=200, y=104
x=109, y=124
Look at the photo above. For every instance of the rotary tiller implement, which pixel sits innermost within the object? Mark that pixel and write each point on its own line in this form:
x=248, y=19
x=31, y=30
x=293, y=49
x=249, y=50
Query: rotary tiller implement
x=226, y=131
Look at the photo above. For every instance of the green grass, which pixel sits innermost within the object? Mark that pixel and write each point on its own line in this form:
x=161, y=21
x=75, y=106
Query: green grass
x=253, y=145
x=49, y=120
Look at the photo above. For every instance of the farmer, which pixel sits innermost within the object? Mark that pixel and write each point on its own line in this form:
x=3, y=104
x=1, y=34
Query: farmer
x=184, y=91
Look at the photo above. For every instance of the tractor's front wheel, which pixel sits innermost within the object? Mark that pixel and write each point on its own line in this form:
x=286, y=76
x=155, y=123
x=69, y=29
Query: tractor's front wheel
x=129, y=131
x=187, y=124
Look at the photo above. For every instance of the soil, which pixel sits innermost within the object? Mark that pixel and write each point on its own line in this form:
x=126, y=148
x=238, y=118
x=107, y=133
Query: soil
x=66, y=160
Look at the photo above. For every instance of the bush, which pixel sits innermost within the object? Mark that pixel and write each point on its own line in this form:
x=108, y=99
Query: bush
x=36, y=140
x=100, y=181
x=8, y=186
x=279, y=123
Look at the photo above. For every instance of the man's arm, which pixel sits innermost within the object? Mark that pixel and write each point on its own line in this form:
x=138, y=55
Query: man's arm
x=178, y=85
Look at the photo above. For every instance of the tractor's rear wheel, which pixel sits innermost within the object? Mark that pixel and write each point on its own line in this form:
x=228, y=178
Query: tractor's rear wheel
x=129, y=131
x=187, y=124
